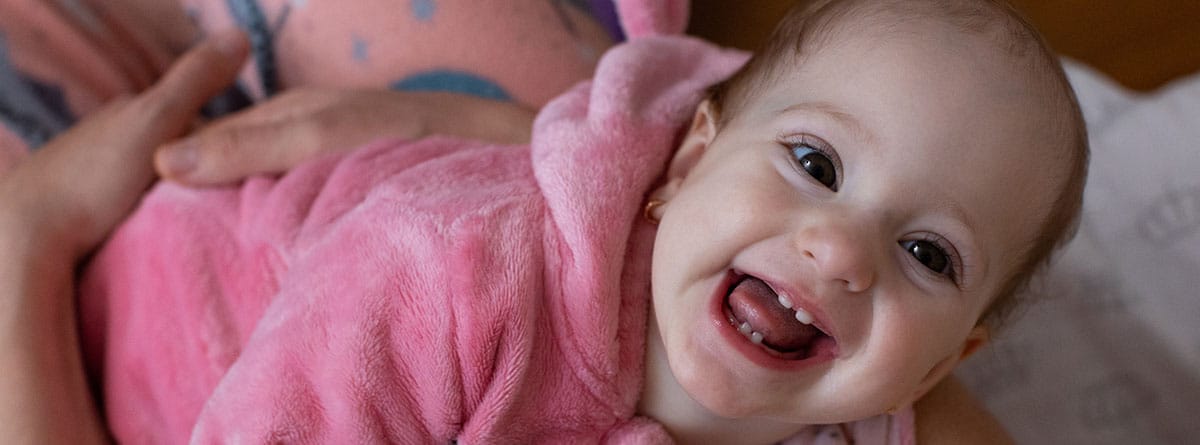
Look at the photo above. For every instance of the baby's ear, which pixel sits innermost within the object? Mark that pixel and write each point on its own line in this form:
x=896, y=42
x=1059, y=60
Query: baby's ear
x=695, y=142
x=980, y=335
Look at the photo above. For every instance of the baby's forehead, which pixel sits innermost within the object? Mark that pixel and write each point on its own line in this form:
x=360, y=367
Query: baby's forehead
x=996, y=54
x=973, y=25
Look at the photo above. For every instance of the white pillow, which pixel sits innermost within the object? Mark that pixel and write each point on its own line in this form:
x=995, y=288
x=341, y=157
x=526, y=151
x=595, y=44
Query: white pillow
x=1111, y=353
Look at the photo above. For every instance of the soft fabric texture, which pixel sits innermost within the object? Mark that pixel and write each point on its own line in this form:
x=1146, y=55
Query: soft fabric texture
x=642, y=18
x=412, y=292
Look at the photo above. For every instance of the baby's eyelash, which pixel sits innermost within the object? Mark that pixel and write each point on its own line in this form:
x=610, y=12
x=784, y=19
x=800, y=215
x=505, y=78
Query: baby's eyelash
x=792, y=142
x=818, y=144
x=957, y=261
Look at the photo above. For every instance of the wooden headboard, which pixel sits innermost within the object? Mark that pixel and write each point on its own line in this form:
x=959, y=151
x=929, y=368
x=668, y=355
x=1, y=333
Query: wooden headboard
x=1141, y=44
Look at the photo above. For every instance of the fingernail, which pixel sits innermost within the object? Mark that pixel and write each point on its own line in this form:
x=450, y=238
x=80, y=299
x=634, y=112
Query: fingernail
x=230, y=42
x=179, y=159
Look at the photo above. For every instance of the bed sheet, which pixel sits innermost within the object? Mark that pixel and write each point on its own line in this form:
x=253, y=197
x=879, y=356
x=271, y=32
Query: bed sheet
x=1110, y=354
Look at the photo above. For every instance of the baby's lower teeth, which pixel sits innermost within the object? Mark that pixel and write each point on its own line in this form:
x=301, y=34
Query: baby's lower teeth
x=750, y=333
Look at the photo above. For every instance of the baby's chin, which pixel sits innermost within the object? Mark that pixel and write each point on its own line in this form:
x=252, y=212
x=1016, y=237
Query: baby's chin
x=725, y=395
x=739, y=401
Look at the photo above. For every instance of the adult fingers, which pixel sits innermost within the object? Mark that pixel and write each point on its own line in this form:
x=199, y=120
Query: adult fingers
x=279, y=134
x=276, y=138
x=270, y=137
x=200, y=74
x=97, y=170
x=231, y=152
x=109, y=155
x=288, y=105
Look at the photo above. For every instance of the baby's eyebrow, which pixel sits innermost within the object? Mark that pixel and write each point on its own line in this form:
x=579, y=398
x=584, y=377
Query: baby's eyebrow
x=956, y=211
x=837, y=114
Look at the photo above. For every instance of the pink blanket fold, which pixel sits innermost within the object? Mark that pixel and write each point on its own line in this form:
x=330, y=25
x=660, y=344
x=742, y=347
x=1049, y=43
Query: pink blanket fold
x=409, y=292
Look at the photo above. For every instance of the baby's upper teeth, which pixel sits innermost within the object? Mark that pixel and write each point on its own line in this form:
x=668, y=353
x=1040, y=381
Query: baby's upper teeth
x=803, y=316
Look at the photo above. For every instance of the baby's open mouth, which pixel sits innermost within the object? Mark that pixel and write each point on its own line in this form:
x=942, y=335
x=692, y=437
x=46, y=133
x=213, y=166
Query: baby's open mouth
x=771, y=321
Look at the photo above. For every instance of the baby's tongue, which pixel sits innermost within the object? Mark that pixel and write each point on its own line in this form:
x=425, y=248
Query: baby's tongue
x=754, y=302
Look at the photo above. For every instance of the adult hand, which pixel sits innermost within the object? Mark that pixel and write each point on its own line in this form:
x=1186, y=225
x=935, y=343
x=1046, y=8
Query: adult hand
x=77, y=187
x=57, y=205
x=297, y=125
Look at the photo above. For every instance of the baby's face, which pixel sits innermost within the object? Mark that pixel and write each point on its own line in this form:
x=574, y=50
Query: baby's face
x=885, y=188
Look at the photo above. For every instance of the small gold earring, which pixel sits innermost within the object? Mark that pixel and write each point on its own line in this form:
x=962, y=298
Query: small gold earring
x=651, y=206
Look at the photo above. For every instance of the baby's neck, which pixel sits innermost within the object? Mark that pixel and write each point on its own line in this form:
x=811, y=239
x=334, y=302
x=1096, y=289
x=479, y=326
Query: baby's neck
x=689, y=422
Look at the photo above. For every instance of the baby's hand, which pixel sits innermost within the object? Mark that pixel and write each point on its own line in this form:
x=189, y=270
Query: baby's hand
x=297, y=125
x=72, y=191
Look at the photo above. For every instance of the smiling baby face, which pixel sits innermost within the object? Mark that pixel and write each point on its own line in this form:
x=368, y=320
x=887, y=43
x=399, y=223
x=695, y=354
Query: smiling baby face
x=826, y=252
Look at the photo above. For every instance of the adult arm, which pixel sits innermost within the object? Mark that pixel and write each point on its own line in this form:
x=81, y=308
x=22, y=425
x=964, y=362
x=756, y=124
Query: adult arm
x=55, y=207
x=950, y=415
x=43, y=393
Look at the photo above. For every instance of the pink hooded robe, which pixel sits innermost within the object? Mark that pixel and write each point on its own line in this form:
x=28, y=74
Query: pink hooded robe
x=409, y=292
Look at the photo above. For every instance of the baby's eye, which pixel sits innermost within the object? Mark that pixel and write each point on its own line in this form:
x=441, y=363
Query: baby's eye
x=929, y=255
x=816, y=164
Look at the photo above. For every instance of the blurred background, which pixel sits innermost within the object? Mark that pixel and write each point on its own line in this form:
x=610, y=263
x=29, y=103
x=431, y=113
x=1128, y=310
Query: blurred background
x=1141, y=44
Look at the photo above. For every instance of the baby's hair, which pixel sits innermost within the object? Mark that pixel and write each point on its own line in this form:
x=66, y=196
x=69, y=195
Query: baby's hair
x=807, y=28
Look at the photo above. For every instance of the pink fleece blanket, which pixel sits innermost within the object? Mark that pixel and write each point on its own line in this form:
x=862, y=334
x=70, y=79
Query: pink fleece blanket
x=410, y=292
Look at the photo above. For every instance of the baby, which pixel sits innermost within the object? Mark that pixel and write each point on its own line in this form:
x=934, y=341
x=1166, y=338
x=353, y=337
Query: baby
x=841, y=225
x=833, y=231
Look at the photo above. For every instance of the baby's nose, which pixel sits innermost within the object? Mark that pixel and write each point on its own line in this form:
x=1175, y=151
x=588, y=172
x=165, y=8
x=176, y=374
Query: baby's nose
x=840, y=253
